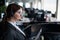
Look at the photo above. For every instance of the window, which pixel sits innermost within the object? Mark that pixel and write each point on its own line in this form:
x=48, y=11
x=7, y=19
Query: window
x=27, y=5
x=39, y=5
x=50, y=5
x=20, y=3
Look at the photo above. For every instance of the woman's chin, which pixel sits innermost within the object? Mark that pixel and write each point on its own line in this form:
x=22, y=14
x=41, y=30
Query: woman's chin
x=18, y=19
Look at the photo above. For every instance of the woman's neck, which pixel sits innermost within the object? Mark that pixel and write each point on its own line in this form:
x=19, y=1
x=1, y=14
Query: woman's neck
x=12, y=20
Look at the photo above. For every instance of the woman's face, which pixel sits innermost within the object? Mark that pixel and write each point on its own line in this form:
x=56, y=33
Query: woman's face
x=18, y=14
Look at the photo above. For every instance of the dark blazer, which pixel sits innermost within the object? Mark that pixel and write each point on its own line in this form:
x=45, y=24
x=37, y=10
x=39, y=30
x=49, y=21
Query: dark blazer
x=9, y=32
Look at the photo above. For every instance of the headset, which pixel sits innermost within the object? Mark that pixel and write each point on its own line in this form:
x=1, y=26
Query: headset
x=12, y=13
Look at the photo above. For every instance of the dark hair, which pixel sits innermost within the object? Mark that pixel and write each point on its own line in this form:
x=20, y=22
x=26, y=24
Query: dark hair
x=10, y=11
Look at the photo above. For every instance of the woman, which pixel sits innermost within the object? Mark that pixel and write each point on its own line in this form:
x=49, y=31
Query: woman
x=8, y=28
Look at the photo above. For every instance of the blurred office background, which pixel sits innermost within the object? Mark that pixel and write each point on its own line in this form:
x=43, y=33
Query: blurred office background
x=49, y=8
